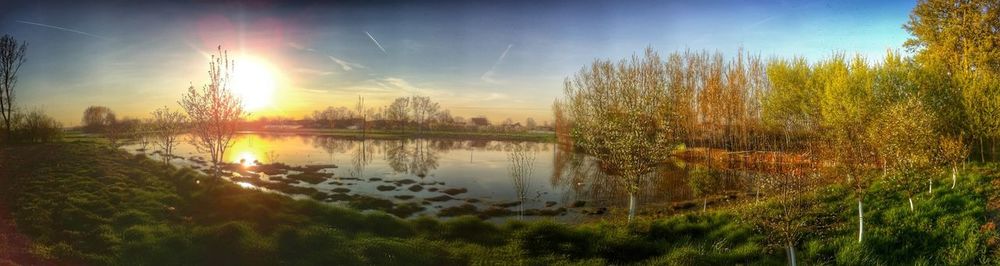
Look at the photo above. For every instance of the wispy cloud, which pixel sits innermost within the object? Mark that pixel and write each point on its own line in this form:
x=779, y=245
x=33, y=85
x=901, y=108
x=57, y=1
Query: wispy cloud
x=63, y=29
x=488, y=76
x=300, y=47
x=314, y=91
x=376, y=42
x=347, y=66
x=759, y=22
x=311, y=71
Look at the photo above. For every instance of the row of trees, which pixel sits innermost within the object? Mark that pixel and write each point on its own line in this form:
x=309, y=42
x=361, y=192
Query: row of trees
x=896, y=120
x=418, y=113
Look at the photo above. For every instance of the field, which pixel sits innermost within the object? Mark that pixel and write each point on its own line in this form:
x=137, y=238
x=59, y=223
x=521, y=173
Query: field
x=79, y=202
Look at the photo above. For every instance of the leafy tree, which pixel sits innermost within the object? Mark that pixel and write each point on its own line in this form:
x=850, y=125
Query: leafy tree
x=962, y=40
x=953, y=151
x=620, y=116
x=703, y=183
x=793, y=100
x=905, y=137
x=96, y=118
x=846, y=108
x=960, y=35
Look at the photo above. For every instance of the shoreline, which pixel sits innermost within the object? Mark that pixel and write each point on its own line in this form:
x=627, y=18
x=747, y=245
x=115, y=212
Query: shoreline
x=385, y=134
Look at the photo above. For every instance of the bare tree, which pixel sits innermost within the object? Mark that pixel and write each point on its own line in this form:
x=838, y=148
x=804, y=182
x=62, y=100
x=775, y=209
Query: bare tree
x=619, y=117
x=360, y=109
x=423, y=110
x=214, y=110
x=167, y=126
x=522, y=164
x=119, y=131
x=11, y=59
x=398, y=112
x=142, y=134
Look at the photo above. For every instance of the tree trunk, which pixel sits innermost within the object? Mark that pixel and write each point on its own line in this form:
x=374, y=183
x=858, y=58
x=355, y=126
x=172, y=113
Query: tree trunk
x=791, y=254
x=911, y=203
x=954, y=178
x=861, y=222
x=704, y=204
x=631, y=206
x=930, y=186
x=982, y=157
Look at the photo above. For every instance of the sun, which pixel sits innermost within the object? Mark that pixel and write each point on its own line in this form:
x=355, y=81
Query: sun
x=254, y=82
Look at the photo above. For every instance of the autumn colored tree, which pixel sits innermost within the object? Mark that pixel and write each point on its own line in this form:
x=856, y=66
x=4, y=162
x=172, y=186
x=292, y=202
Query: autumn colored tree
x=953, y=151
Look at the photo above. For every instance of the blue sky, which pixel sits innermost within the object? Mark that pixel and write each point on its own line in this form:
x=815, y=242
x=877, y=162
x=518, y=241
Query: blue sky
x=498, y=59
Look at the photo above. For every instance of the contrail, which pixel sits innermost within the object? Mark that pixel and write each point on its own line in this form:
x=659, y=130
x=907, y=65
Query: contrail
x=376, y=43
x=488, y=76
x=62, y=29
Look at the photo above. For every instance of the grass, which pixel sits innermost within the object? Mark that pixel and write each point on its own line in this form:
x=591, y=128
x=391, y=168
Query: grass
x=81, y=203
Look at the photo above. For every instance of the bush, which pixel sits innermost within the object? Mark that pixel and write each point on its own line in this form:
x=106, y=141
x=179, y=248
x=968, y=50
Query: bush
x=34, y=127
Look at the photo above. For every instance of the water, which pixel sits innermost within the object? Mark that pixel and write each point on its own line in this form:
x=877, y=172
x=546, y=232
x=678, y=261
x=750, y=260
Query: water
x=559, y=179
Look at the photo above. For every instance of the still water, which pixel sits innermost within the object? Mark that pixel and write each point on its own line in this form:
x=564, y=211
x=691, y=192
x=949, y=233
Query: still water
x=559, y=179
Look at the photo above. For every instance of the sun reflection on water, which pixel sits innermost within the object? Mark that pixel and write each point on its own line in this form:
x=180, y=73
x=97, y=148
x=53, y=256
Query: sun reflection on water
x=246, y=185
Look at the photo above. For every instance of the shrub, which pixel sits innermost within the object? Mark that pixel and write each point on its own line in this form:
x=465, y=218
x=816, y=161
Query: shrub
x=35, y=127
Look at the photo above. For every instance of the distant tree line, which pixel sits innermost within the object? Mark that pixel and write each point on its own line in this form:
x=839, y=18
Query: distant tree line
x=416, y=114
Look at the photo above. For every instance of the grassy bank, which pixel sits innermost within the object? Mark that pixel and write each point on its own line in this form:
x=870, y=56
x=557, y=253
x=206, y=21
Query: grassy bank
x=78, y=202
x=396, y=134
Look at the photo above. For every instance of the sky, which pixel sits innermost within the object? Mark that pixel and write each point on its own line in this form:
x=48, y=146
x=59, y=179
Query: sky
x=499, y=59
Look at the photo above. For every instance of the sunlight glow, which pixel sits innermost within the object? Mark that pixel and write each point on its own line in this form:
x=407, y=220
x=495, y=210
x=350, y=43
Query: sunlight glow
x=245, y=185
x=247, y=159
x=254, y=82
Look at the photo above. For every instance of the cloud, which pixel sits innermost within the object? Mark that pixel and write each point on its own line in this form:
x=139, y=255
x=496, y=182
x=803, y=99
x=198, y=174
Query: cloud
x=63, y=29
x=311, y=71
x=488, y=76
x=759, y=22
x=347, y=66
x=314, y=91
x=300, y=47
x=376, y=42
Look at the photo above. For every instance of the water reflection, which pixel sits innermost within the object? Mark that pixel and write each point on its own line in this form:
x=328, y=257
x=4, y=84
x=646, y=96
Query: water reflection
x=522, y=165
x=485, y=169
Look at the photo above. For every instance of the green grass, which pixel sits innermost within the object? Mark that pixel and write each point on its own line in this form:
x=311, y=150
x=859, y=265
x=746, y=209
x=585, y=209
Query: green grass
x=81, y=203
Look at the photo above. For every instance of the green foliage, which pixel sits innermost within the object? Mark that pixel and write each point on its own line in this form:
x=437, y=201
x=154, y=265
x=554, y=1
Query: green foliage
x=792, y=101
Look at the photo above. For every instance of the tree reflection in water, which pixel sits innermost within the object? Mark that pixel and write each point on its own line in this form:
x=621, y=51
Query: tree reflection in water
x=522, y=165
x=361, y=157
x=670, y=184
x=416, y=156
x=331, y=145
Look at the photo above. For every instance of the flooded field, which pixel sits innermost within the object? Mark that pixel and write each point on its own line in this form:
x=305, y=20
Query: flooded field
x=447, y=177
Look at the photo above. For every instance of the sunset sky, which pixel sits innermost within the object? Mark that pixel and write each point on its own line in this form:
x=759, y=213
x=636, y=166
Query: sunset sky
x=498, y=59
